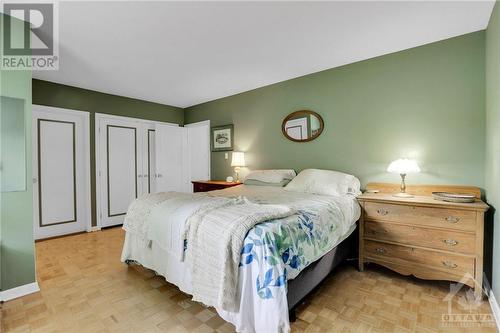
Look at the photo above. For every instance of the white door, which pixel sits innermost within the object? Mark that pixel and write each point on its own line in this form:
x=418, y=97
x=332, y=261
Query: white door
x=182, y=155
x=170, y=172
x=61, y=171
x=120, y=170
x=198, y=151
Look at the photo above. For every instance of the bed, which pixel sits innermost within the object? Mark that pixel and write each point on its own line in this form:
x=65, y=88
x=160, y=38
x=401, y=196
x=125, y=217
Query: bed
x=280, y=261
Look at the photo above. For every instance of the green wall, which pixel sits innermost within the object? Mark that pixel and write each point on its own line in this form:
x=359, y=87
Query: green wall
x=425, y=103
x=16, y=217
x=492, y=175
x=58, y=95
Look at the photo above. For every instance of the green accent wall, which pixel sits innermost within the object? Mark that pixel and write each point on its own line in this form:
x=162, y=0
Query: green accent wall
x=492, y=165
x=16, y=216
x=425, y=103
x=63, y=96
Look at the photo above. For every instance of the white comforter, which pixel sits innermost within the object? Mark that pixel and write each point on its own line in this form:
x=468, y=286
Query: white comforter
x=273, y=252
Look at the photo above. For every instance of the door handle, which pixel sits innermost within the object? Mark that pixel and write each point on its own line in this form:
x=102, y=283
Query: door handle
x=35, y=180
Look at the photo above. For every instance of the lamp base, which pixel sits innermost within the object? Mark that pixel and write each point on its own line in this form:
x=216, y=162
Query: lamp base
x=403, y=195
x=237, y=171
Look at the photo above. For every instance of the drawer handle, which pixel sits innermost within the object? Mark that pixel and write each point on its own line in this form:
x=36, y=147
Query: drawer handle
x=449, y=264
x=450, y=242
x=382, y=211
x=452, y=219
x=380, y=250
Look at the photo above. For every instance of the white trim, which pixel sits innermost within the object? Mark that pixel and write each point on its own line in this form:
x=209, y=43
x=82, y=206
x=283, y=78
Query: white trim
x=86, y=138
x=97, y=169
x=495, y=308
x=98, y=194
x=20, y=291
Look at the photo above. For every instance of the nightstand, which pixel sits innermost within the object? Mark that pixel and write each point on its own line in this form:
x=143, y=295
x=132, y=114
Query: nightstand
x=421, y=236
x=212, y=185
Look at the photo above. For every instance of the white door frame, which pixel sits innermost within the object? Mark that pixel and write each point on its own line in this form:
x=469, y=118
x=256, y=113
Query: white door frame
x=98, y=118
x=86, y=151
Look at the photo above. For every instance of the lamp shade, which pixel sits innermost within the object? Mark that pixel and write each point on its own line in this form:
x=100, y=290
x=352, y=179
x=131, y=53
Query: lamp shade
x=238, y=159
x=403, y=166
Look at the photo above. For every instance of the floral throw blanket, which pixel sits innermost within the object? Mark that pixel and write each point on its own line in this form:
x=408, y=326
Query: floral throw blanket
x=276, y=251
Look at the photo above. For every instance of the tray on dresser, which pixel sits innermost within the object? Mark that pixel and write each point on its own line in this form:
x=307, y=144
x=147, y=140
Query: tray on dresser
x=454, y=197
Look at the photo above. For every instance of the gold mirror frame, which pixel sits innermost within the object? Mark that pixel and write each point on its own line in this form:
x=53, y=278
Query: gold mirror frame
x=294, y=115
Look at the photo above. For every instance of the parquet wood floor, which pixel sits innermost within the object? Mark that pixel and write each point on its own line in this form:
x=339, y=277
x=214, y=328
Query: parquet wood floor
x=85, y=288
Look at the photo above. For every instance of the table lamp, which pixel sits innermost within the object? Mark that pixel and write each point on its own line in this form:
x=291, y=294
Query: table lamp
x=403, y=166
x=237, y=161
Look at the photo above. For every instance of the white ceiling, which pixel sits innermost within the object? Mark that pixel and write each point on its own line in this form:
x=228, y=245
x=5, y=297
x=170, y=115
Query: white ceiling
x=186, y=53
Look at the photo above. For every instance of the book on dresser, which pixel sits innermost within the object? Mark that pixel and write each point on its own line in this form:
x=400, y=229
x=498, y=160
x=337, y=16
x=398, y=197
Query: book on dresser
x=422, y=236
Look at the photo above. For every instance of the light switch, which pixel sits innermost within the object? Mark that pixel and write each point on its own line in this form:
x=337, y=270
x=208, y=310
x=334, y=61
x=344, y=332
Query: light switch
x=226, y=155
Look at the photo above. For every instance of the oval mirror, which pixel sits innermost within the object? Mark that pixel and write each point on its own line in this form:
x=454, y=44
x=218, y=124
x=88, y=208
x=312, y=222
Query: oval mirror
x=302, y=126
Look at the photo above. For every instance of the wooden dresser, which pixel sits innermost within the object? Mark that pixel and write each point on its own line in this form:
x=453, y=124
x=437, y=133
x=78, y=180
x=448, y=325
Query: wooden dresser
x=212, y=185
x=421, y=236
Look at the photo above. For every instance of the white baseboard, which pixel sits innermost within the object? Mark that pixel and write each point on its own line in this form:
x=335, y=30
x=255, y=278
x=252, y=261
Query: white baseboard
x=495, y=308
x=92, y=229
x=7, y=295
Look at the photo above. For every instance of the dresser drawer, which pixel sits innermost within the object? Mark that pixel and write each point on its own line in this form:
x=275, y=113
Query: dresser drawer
x=453, y=263
x=426, y=216
x=412, y=235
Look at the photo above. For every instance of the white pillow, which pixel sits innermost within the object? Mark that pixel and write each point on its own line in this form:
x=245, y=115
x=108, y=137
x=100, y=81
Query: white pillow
x=271, y=176
x=325, y=182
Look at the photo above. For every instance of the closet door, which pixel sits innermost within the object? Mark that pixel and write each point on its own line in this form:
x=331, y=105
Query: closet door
x=120, y=169
x=61, y=171
x=198, y=153
x=182, y=155
x=170, y=141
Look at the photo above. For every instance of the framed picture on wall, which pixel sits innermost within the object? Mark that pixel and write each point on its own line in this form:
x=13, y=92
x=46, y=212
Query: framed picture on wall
x=222, y=138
